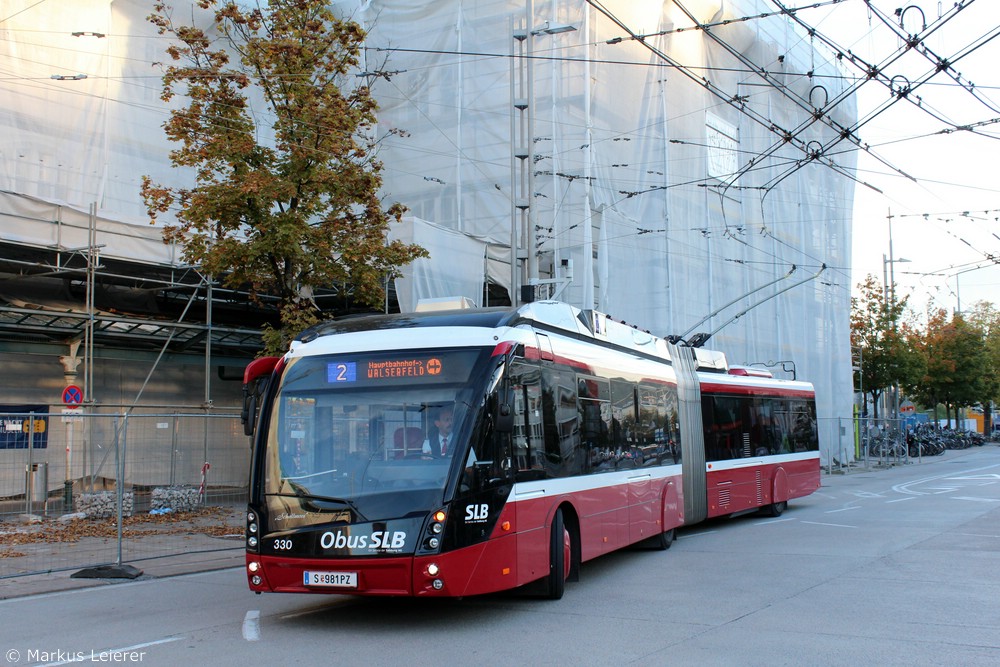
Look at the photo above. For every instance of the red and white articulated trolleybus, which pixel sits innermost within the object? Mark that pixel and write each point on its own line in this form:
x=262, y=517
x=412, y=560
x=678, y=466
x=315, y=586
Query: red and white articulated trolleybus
x=462, y=452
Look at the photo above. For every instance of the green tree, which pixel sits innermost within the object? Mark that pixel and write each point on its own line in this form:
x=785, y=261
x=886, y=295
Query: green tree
x=986, y=318
x=876, y=331
x=956, y=355
x=285, y=199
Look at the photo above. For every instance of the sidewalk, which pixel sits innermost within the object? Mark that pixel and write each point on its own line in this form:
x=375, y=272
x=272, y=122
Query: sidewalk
x=153, y=568
x=157, y=546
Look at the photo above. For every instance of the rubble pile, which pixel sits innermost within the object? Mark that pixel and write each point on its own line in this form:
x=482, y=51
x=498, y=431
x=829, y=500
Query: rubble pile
x=103, y=504
x=175, y=498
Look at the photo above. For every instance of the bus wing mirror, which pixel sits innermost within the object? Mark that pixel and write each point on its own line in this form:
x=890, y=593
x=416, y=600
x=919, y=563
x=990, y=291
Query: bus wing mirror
x=254, y=383
x=504, y=419
x=249, y=413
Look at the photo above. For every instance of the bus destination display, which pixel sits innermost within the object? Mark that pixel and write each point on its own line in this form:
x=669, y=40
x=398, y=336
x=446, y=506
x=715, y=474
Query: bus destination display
x=376, y=371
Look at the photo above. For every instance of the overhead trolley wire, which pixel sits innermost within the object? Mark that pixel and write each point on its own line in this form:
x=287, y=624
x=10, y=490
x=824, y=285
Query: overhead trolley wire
x=876, y=72
x=737, y=102
x=817, y=114
x=943, y=64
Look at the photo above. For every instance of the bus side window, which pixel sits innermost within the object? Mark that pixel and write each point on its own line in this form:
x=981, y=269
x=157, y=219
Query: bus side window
x=563, y=454
x=739, y=427
x=659, y=439
x=624, y=425
x=594, y=408
x=719, y=421
x=804, y=433
x=528, y=435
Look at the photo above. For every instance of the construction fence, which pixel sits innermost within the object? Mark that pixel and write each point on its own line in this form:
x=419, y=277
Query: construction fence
x=81, y=489
x=862, y=441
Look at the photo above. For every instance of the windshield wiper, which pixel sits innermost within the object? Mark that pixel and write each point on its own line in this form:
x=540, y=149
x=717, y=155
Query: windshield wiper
x=325, y=499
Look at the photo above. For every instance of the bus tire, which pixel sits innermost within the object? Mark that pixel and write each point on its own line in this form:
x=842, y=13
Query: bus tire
x=558, y=540
x=776, y=509
x=663, y=541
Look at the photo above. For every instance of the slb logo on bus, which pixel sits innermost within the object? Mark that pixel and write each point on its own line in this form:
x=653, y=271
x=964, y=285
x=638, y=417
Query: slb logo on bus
x=377, y=540
x=476, y=513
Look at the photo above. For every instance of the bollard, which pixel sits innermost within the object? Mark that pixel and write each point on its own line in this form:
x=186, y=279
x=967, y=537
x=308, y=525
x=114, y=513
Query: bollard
x=67, y=496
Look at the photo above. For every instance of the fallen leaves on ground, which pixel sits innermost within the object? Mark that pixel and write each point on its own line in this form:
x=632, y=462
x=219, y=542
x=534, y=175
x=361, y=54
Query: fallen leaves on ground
x=212, y=521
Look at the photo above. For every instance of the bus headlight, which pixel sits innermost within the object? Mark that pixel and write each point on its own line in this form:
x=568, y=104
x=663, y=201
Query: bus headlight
x=252, y=527
x=433, y=531
x=433, y=569
x=432, y=537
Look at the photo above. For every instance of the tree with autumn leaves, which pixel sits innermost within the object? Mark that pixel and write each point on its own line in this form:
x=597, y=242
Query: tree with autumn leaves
x=953, y=361
x=957, y=371
x=878, y=332
x=985, y=318
x=278, y=133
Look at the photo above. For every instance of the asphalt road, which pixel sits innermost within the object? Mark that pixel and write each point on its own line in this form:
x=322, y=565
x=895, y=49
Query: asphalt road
x=889, y=567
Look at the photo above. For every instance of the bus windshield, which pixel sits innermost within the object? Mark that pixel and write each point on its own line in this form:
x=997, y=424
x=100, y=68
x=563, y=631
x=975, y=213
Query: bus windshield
x=363, y=433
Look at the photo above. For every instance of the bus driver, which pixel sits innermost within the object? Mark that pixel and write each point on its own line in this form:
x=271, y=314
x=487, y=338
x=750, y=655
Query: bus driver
x=438, y=442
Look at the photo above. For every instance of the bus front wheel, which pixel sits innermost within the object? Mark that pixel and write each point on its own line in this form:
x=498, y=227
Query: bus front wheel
x=559, y=557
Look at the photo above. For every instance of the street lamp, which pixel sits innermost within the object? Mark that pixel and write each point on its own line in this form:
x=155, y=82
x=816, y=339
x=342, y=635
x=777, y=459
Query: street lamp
x=958, y=290
x=887, y=268
x=889, y=276
x=522, y=132
x=551, y=28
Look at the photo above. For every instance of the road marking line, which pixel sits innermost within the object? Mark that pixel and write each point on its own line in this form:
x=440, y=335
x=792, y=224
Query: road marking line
x=900, y=500
x=251, y=626
x=905, y=487
x=993, y=477
x=981, y=500
x=845, y=509
x=770, y=521
x=835, y=525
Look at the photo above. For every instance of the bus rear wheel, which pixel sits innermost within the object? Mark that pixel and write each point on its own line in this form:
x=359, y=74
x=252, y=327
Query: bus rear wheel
x=776, y=509
x=559, y=558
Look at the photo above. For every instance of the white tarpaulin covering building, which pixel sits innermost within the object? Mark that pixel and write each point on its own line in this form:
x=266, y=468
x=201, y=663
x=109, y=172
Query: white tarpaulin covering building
x=677, y=178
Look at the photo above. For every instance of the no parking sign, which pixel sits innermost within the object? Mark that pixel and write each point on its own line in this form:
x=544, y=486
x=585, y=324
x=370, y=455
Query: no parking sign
x=72, y=395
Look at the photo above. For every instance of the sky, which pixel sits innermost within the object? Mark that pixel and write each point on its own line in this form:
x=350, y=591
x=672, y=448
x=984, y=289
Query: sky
x=936, y=190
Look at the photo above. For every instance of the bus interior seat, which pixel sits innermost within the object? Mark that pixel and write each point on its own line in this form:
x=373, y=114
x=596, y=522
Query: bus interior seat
x=408, y=440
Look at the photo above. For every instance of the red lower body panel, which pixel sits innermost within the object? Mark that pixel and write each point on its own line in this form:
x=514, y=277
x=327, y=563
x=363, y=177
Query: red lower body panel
x=737, y=487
